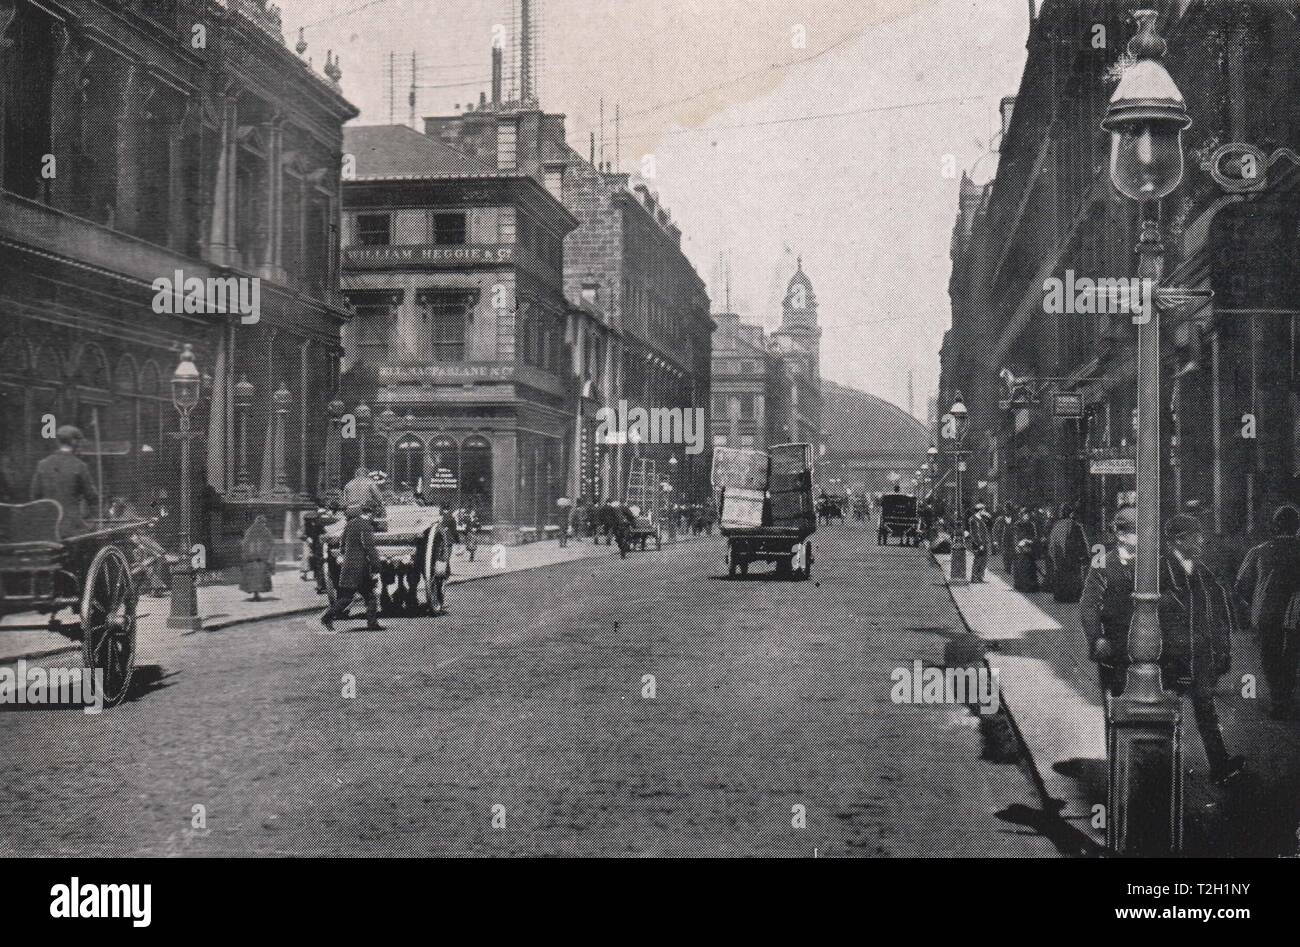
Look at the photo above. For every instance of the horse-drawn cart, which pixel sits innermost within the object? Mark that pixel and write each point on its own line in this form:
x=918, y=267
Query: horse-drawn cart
x=93, y=573
x=404, y=541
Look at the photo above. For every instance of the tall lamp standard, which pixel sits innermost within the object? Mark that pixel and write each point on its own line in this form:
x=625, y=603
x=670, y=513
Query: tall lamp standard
x=1146, y=120
x=186, y=382
x=244, y=394
x=363, y=415
x=958, y=414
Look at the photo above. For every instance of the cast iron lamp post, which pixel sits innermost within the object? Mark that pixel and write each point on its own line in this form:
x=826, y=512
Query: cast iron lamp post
x=957, y=574
x=363, y=415
x=1146, y=120
x=186, y=382
x=244, y=394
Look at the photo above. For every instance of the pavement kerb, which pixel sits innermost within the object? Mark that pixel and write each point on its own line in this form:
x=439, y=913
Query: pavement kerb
x=222, y=624
x=1048, y=801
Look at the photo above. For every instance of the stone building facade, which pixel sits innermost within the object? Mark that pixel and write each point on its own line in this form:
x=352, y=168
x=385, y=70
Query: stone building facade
x=129, y=155
x=1052, y=210
x=459, y=348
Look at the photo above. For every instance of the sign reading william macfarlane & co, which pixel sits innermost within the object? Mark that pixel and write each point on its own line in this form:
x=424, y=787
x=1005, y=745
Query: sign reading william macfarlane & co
x=428, y=256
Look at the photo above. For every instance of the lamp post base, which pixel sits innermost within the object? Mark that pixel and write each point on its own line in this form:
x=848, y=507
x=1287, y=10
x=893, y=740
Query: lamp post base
x=184, y=608
x=1145, y=787
x=957, y=575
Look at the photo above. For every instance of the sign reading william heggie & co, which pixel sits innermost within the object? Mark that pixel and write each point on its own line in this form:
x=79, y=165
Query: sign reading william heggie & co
x=428, y=256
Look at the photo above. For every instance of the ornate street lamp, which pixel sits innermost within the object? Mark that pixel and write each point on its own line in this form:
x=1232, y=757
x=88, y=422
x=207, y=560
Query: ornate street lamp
x=958, y=413
x=387, y=422
x=1146, y=120
x=186, y=384
x=244, y=394
x=283, y=401
x=363, y=416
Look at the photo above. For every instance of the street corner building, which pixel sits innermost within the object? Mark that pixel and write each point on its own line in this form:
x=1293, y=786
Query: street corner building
x=151, y=186
x=506, y=290
x=1043, y=212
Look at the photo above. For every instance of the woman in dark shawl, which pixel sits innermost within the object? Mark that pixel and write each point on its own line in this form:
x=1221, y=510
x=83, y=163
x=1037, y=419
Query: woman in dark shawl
x=1025, y=567
x=259, y=559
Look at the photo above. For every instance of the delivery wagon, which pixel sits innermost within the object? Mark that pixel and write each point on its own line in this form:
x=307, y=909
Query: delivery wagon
x=767, y=509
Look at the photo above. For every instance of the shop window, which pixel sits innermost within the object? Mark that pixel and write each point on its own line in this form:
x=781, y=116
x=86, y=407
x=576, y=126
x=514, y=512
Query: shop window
x=476, y=476
x=448, y=229
x=374, y=230
x=408, y=462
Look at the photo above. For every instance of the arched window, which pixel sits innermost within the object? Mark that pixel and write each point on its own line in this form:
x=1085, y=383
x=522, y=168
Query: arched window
x=476, y=475
x=408, y=462
x=92, y=368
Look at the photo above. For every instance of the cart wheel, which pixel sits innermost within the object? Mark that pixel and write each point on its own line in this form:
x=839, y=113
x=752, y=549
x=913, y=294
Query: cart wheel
x=108, y=600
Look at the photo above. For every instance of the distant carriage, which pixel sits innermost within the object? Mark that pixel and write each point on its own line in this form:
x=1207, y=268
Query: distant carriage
x=899, y=519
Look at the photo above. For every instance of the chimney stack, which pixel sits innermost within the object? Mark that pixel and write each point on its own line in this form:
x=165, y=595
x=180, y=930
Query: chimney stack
x=496, y=76
x=526, y=51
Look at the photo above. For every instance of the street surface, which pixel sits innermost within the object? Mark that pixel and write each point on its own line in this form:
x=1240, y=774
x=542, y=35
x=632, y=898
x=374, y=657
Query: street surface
x=529, y=696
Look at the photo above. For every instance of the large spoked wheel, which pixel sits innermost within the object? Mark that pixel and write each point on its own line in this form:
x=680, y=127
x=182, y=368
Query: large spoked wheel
x=108, y=600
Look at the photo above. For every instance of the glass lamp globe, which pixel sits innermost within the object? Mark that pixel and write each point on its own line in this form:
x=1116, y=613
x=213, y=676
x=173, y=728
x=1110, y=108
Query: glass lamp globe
x=1146, y=120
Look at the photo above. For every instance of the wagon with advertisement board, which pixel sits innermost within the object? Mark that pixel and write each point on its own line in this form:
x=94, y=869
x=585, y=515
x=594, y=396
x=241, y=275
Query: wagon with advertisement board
x=767, y=508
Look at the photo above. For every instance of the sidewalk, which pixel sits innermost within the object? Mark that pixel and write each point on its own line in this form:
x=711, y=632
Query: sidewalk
x=222, y=606
x=1049, y=686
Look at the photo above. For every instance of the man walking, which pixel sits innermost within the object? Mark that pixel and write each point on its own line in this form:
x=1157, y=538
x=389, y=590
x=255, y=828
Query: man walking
x=1196, y=619
x=1067, y=554
x=1106, y=605
x=357, y=575
x=63, y=476
x=1003, y=537
x=1267, y=585
x=980, y=541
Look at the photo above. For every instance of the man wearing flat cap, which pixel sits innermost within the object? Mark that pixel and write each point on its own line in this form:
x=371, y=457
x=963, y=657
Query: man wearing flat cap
x=1196, y=618
x=357, y=574
x=1106, y=606
x=63, y=476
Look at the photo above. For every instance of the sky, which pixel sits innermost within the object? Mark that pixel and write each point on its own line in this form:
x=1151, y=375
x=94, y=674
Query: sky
x=823, y=129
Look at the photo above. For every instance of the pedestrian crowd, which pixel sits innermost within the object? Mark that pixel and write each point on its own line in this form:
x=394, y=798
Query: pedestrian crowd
x=1198, y=611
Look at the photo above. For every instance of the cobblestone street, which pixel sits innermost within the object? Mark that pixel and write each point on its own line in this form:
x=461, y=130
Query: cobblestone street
x=768, y=695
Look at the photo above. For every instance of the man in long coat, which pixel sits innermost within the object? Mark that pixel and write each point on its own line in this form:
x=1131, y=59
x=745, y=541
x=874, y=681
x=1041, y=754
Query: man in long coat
x=1106, y=606
x=1067, y=551
x=981, y=542
x=1196, y=618
x=1268, y=585
x=357, y=574
x=63, y=476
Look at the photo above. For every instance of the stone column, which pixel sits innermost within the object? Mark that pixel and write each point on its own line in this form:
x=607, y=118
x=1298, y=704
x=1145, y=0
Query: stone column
x=130, y=118
x=221, y=239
